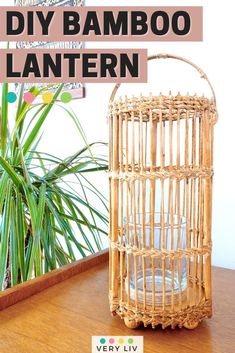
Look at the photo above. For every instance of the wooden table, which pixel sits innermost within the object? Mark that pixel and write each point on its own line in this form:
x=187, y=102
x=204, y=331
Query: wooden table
x=63, y=318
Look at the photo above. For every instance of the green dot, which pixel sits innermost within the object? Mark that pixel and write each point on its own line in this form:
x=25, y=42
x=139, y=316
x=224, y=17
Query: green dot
x=66, y=97
x=130, y=340
x=11, y=97
x=102, y=340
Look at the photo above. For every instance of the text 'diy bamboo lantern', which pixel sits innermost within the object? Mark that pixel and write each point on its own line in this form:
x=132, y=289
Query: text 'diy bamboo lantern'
x=161, y=151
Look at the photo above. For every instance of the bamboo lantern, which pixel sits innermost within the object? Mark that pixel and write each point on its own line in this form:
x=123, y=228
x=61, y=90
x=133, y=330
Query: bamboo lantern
x=161, y=155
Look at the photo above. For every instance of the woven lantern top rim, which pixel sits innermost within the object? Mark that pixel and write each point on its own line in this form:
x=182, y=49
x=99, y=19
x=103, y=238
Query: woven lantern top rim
x=167, y=104
x=166, y=100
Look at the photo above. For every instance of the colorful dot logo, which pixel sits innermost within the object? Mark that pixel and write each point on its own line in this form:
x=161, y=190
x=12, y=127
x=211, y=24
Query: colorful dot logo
x=29, y=97
x=120, y=341
x=47, y=97
x=66, y=97
x=11, y=97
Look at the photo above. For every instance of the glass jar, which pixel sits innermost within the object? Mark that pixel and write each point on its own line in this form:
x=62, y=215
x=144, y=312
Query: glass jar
x=167, y=272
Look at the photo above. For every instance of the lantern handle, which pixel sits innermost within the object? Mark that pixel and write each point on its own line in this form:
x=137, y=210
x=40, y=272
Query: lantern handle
x=170, y=56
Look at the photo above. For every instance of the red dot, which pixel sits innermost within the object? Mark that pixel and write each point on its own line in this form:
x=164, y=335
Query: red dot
x=111, y=341
x=29, y=97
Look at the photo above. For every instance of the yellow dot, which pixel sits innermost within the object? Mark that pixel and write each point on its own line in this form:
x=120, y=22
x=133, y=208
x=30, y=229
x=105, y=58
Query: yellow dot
x=121, y=341
x=47, y=97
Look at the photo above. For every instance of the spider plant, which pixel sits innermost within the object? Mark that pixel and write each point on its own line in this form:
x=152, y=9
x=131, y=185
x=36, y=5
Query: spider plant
x=46, y=220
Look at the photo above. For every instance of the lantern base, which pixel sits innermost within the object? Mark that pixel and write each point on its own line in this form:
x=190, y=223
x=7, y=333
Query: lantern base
x=190, y=325
x=186, y=316
x=131, y=323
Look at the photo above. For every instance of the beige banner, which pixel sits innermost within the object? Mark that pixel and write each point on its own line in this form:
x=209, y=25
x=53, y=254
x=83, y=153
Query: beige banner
x=84, y=65
x=159, y=23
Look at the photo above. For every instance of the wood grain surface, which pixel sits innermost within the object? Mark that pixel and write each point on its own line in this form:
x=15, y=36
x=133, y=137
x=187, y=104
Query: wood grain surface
x=62, y=319
x=25, y=290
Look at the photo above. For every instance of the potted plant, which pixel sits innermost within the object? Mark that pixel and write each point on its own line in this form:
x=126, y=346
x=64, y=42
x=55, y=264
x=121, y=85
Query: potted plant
x=44, y=221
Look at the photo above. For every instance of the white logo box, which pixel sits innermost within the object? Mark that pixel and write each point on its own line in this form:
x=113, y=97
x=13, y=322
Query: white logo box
x=117, y=344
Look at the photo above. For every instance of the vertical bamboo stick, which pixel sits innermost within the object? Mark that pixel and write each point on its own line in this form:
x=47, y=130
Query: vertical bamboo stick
x=177, y=205
x=114, y=208
x=127, y=206
x=146, y=143
x=170, y=209
x=177, y=156
x=143, y=230
x=192, y=268
x=179, y=242
x=139, y=164
x=187, y=240
x=133, y=194
x=152, y=200
x=143, y=213
x=110, y=198
x=194, y=242
x=162, y=220
x=133, y=210
x=207, y=204
x=153, y=151
x=189, y=206
x=200, y=210
x=122, y=254
x=185, y=199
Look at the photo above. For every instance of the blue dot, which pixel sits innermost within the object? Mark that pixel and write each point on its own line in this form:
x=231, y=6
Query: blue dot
x=11, y=97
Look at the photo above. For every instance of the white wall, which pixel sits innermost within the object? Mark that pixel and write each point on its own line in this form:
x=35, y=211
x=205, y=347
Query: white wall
x=214, y=55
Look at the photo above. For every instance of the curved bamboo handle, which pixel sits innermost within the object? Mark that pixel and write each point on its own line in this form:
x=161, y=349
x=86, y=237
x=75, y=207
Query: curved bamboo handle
x=170, y=56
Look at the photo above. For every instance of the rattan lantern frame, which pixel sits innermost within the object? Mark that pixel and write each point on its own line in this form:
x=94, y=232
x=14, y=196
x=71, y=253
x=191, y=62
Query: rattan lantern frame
x=161, y=158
